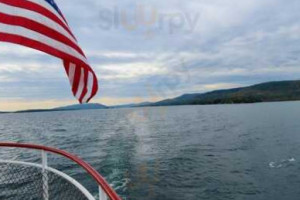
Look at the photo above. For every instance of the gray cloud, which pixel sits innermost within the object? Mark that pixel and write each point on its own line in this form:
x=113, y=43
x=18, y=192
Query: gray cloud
x=231, y=42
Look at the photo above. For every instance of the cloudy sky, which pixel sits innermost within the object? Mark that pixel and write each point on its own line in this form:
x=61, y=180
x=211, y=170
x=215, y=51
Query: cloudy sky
x=151, y=50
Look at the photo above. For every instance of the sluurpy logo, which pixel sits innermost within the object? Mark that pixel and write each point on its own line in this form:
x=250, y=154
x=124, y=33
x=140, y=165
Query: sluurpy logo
x=148, y=20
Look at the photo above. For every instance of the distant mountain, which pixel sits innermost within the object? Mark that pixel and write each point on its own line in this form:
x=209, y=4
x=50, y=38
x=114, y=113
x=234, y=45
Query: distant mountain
x=90, y=106
x=132, y=105
x=34, y=110
x=265, y=92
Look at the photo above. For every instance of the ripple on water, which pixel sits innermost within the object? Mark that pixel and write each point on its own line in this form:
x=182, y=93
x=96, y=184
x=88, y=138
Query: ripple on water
x=282, y=163
x=60, y=130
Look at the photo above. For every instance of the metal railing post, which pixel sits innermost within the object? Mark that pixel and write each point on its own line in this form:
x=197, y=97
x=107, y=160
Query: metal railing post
x=102, y=195
x=45, y=175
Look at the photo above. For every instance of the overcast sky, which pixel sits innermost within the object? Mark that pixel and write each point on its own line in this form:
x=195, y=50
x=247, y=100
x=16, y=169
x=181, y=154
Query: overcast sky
x=146, y=51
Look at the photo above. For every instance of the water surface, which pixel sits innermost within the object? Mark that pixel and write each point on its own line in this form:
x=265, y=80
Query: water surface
x=173, y=153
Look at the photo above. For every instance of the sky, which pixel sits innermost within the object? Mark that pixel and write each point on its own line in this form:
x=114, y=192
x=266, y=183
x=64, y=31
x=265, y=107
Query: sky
x=152, y=50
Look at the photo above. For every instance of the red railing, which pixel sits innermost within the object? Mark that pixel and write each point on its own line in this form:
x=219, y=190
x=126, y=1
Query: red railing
x=90, y=170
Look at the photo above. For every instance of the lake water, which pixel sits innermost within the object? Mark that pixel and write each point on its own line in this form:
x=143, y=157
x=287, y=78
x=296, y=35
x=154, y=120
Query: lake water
x=248, y=152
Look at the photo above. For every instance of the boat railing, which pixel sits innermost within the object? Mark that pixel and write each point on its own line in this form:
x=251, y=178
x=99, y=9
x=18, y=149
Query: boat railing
x=44, y=177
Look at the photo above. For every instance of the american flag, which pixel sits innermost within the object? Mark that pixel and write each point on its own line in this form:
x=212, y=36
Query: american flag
x=39, y=24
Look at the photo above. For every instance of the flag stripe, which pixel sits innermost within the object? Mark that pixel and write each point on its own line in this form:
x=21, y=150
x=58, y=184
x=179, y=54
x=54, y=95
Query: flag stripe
x=42, y=29
x=94, y=89
x=71, y=72
x=34, y=16
x=47, y=6
x=10, y=29
x=81, y=84
x=39, y=9
x=89, y=88
x=84, y=91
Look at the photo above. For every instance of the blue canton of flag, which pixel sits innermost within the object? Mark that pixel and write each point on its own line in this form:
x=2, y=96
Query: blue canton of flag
x=53, y=4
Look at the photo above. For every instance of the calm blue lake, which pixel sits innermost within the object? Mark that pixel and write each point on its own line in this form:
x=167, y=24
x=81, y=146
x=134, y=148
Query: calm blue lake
x=249, y=152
